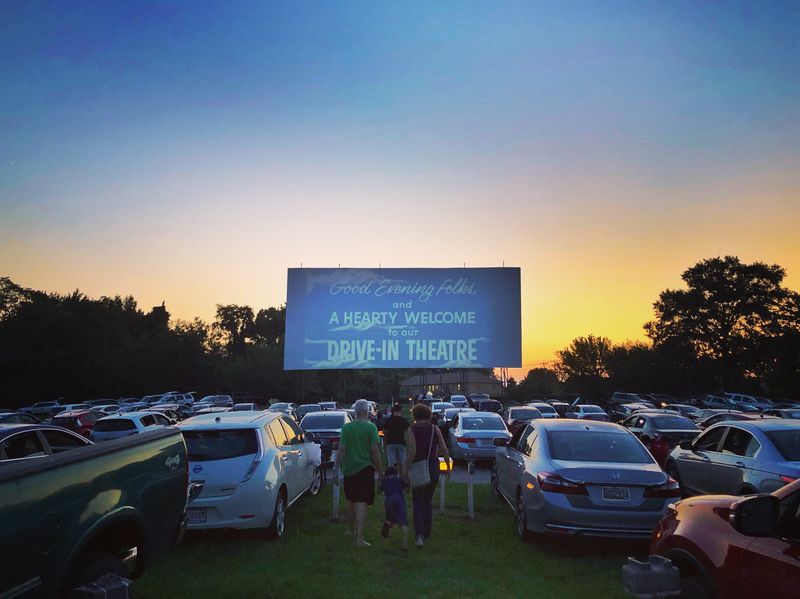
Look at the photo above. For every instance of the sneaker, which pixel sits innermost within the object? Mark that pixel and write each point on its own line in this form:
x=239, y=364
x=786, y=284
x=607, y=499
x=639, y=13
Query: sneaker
x=385, y=530
x=420, y=541
x=362, y=544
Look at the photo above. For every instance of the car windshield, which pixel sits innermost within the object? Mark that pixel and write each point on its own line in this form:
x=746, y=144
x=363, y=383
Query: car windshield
x=597, y=446
x=476, y=423
x=787, y=442
x=313, y=421
x=524, y=413
x=545, y=408
x=593, y=409
x=307, y=409
x=114, y=424
x=673, y=423
x=211, y=445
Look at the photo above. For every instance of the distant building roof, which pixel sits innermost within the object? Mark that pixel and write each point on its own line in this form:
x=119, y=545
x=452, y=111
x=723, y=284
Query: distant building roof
x=448, y=378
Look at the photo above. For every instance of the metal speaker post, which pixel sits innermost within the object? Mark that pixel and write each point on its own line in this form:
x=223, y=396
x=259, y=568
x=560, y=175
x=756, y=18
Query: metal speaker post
x=443, y=467
x=470, y=496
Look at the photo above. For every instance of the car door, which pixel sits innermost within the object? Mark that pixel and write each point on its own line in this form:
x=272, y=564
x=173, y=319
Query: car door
x=22, y=446
x=516, y=462
x=694, y=466
x=730, y=465
x=770, y=566
x=506, y=459
x=301, y=471
x=286, y=474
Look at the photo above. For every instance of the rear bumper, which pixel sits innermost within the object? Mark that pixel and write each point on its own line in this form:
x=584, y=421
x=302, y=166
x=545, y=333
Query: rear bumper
x=246, y=508
x=555, y=515
x=462, y=451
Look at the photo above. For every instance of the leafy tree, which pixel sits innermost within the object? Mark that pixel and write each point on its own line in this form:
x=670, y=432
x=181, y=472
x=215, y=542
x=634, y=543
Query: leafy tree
x=727, y=313
x=585, y=357
x=235, y=323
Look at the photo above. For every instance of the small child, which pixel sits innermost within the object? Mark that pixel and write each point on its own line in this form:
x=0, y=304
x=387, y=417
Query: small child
x=394, y=504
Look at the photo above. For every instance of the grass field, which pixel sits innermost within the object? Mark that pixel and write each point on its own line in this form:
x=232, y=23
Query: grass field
x=465, y=558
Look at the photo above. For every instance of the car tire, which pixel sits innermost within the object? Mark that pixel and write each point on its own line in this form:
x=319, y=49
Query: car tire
x=316, y=481
x=521, y=518
x=93, y=565
x=277, y=528
x=693, y=587
x=494, y=482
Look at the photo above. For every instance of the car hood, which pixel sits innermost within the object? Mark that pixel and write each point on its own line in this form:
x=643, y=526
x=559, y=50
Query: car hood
x=610, y=473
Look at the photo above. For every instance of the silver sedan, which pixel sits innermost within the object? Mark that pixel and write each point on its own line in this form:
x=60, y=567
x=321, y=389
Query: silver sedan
x=574, y=477
x=473, y=434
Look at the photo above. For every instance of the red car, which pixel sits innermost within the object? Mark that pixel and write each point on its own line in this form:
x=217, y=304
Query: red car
x=729, y=546
x=78, y=421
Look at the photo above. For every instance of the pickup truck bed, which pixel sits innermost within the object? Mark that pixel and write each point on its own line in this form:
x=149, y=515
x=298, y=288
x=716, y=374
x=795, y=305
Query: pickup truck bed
x=70, y=517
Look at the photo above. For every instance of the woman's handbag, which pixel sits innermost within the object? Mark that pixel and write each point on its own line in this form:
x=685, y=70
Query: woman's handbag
x=420, y=473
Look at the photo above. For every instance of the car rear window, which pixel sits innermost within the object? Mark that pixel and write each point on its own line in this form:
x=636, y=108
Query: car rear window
x=115, y=425
x=65, y=422
x=592, y=410
x=787, y=443
x=314, y=420
x=545, y=409
x=672, y=423
x=475, y=423
x=206, y=446
x=524, y=414
x=596, y=446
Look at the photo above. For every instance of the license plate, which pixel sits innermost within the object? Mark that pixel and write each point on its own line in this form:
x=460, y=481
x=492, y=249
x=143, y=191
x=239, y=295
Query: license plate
x=196, y=516
x=616, y=494
x=484, y=441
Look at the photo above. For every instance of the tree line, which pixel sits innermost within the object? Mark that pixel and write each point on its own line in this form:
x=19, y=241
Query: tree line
x=735, y=327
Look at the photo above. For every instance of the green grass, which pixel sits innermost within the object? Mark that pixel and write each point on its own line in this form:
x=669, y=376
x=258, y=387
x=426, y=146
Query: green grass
x=465, y=558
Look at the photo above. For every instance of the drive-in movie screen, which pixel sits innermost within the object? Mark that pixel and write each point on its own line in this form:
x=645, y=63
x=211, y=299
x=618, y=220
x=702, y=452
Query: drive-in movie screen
x=428, y=299
x=403, y=318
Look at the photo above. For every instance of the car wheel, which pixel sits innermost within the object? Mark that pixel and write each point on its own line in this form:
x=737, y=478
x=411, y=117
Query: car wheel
x=316, y=481
x=277, y=527
x=494, y=482
x=693, y=587
x=522, y=518
x=93, y=565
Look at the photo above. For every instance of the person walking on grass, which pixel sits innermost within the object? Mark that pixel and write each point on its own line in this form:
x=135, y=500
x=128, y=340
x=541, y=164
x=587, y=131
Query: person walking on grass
x=395, y=435
x=359, y=457
x=425, y=442
x=394, y=502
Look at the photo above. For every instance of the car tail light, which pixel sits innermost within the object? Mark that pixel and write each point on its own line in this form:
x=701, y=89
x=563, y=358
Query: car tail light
x=467, y=440
x=668, y=489
x=788, y=479
x=549, y=481
x=252, y=469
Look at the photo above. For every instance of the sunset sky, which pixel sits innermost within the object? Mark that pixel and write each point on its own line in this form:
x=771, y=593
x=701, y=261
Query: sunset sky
x=192, y=152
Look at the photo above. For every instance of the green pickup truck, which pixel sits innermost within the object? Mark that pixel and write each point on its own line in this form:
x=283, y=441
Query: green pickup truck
x=71, y=517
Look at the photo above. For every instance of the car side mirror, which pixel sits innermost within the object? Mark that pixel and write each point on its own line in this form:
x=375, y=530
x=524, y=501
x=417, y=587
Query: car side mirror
x=686, y=444
x=308, y=437
x=500, y=442
x=756, y=516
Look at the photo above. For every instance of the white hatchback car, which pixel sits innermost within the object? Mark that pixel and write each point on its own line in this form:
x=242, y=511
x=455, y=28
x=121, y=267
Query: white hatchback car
x=122, y=425
x=246, y=469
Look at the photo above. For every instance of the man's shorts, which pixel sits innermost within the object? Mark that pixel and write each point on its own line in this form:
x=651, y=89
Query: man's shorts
x=396, y=454
x=360, y=487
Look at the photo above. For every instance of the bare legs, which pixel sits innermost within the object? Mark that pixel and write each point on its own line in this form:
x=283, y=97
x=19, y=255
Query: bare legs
x=359, y=523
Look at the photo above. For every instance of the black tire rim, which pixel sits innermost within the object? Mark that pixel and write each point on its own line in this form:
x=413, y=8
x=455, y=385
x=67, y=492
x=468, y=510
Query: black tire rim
x=495, y=484
x=316, y=481
x=280, y=516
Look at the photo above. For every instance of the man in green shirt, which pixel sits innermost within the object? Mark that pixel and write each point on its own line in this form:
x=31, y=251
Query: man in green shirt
x=359, y=457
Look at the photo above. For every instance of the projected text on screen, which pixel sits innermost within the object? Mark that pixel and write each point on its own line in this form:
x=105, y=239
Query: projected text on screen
x=402, y=318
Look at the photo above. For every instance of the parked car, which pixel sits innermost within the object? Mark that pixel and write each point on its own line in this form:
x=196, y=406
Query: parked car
x=95, y=509
x=793, y=413
x=660, y=433
x=244, y=407
x=487, y=405
x=78, y=421
x=218, y=400
x=581, y=478
x=104, y=409
x=472, y=435
x=459, y=401
x=684, y=409
x=588, y=412
x=759, y=403
x=663, y=400
x=561, y=407
x=71, y=407
x=211, y=410
x=307, y=408
x=329, y=405
x=246, y=470
x=325, y=427
x=44, y=409
x=545, y=409
x=26, y=441
x=122, y=425
x=168, y=410
x=151, y=399
x=736, y=458
x=516, y=417
x=736, y=548
x=726, y=403
x=701, y=415
x=446, y=418
x=622, y=411
x=724, y=416
x=9, y=417
x=472, y=397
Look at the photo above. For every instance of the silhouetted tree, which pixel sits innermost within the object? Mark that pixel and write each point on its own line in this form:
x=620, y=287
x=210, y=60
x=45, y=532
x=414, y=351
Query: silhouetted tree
x=235, y=323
